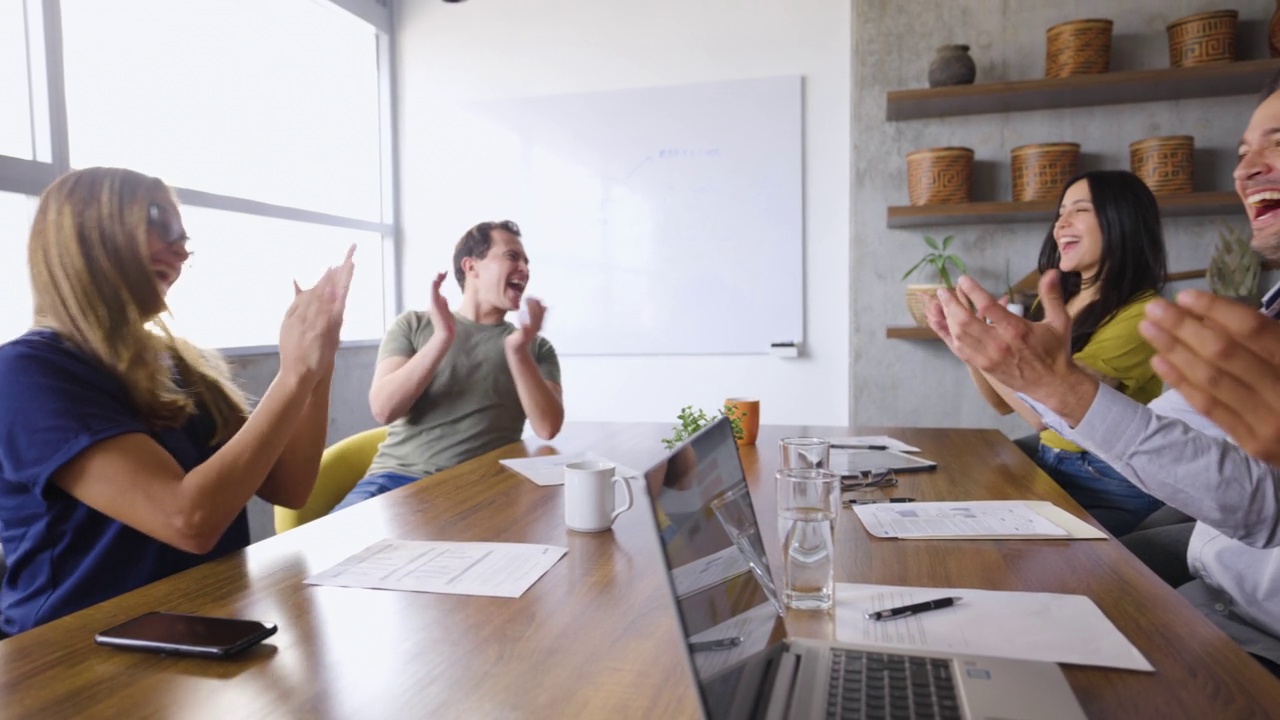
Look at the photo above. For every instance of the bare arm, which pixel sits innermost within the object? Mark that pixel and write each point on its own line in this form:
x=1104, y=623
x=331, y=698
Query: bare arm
x=399, y=381
x=131, y=478
x=988, y=392
x=540, y=398
x=134, y=480
x=292, y=477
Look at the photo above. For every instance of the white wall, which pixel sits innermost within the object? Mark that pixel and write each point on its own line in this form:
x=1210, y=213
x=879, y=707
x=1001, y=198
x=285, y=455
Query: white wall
x=490, y=49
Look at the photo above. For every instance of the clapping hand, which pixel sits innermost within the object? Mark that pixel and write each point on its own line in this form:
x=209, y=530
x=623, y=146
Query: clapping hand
x=525, y=332
x=1224, y=357
x=442, y=320
x=1029, y=357
x=312, y=325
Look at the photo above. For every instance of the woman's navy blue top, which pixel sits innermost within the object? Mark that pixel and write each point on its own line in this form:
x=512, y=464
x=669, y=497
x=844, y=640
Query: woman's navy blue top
x=63, y=555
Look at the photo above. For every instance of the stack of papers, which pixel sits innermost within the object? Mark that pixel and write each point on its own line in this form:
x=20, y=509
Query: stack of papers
x=549, y=469
x=975, y=519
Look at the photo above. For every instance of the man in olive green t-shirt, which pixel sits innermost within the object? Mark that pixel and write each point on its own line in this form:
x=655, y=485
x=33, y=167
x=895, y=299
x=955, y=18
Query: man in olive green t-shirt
x=451, y=386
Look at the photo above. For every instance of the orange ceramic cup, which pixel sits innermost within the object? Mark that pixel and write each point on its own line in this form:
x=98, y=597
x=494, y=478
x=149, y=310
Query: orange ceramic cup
x=747, y=410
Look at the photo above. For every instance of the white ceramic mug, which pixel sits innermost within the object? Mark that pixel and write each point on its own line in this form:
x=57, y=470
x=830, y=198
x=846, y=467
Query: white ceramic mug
x=590, y=501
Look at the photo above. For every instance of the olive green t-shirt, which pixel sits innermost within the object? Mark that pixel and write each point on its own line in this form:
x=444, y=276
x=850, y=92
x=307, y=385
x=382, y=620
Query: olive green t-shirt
x=1117, y=351
x=470, y=406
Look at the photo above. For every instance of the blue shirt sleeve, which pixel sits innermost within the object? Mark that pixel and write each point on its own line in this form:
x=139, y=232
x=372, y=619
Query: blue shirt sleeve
x=54, y=403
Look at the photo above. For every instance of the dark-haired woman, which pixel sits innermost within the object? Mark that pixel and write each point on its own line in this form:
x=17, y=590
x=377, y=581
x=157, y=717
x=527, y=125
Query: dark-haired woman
x=1108, y=245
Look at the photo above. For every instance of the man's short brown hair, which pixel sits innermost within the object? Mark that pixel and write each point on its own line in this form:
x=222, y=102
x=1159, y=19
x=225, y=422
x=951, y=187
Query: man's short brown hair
x=476, y=243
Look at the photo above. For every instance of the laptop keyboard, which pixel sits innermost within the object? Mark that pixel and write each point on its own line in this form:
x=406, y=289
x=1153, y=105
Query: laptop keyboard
x=871, y=686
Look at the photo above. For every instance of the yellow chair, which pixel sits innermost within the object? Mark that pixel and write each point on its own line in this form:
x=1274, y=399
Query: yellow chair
x=341, y=467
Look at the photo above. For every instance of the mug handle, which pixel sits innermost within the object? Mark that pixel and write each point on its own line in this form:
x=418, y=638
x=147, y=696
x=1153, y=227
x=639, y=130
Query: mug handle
x=626, y=486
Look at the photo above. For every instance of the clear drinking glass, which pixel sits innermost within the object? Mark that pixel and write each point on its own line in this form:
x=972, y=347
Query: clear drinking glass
x=804, y=452
x=736, y=514
x=808, y=501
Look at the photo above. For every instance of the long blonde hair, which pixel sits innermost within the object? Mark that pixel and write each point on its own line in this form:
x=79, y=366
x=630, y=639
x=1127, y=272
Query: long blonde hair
x=93, y=284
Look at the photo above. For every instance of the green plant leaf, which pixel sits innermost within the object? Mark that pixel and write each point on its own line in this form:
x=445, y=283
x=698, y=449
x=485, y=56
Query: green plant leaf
x=931, y=242
x=946, y=242
x=907, y=274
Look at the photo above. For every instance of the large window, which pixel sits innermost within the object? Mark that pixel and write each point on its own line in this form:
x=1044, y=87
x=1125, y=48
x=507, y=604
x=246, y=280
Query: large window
x=248, y=264
x=268, y=118
x=16, y=212
x=15, y=95
x=275, y=101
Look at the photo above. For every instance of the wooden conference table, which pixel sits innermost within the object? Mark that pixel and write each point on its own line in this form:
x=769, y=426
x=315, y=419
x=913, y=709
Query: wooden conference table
x=596, y=637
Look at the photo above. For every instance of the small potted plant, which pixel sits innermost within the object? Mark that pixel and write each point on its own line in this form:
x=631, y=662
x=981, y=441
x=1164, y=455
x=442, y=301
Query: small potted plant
x=691, y=421
x=1015, y=305
x=939, y=259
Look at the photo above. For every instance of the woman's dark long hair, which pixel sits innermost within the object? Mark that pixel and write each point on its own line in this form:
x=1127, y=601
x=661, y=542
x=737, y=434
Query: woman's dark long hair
x=1133, y=256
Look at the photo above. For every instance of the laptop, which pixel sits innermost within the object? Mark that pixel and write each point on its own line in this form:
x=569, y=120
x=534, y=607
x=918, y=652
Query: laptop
x=735, y=640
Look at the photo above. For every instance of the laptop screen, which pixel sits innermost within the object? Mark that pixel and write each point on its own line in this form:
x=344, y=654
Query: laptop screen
x=725, y=594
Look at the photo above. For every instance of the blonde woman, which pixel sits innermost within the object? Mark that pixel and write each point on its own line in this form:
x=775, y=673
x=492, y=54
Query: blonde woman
x=127, y=455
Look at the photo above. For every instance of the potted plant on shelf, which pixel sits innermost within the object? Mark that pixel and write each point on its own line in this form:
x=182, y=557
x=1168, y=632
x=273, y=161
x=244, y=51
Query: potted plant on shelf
x=939, y=259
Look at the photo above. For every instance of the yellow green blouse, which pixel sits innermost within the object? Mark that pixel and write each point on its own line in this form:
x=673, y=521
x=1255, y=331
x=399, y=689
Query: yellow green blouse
x=1117, y=351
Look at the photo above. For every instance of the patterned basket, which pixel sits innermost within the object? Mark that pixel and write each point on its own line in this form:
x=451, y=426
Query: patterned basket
x=917, y=295
x=1203, y=39
x=939, y=175
x=1164, y=163
x=1040, y=171
x=1079, y=47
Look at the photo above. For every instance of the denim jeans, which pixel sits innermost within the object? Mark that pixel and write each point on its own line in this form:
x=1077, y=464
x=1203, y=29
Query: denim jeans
x=372, y=486
x=1117, y=504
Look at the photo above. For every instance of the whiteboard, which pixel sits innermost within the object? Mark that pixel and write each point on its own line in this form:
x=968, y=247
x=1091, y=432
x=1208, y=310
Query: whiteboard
x=658, y=221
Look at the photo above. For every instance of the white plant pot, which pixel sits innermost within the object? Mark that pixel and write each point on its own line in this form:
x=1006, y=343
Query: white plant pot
x=1016, y=309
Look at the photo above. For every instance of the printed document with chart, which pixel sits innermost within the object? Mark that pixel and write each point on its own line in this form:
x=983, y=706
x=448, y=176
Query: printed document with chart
x=456, y=568
x=973, y=520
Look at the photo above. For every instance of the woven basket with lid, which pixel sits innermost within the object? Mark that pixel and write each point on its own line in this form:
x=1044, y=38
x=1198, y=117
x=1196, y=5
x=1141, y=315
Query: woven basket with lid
x=1079, y=47
x=1039, y=171
x=1164, y=163
x=1203, y=39
x=939, y=175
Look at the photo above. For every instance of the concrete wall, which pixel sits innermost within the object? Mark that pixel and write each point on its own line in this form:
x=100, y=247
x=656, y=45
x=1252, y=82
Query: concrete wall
x=899, y=382
x=489, y=49
x=348, y=405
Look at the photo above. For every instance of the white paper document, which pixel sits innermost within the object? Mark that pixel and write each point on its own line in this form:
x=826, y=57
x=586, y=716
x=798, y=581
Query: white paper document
x=753, y=626
x=884, y=441
x=707, y=571
x=978, y=519
x=549, y=469
x=1023, y=625
x=455, y=568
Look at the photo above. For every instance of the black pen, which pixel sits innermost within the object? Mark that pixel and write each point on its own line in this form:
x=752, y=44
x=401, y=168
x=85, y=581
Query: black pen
x=916, y=609
x=859, y=447
x=873, y=501
x=727, y=643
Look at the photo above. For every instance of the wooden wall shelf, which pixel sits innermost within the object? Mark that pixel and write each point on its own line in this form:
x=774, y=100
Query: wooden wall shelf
x=1112, y=88
x=978, y=213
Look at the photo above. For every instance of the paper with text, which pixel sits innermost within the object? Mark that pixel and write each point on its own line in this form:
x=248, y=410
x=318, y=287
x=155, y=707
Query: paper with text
x=455, y=568
x=975, y=519
x=707, y=571
x=1022, y=625
x=889, y=443
x=549, y=469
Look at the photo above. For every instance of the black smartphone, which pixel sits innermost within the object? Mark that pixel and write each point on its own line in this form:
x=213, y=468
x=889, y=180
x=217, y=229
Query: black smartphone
x=179, y=634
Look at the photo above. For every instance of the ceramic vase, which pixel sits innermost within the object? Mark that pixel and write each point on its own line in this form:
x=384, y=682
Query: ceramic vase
x=952, y=66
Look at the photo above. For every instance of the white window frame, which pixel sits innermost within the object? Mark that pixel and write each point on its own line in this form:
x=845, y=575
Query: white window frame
x=51, y=145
